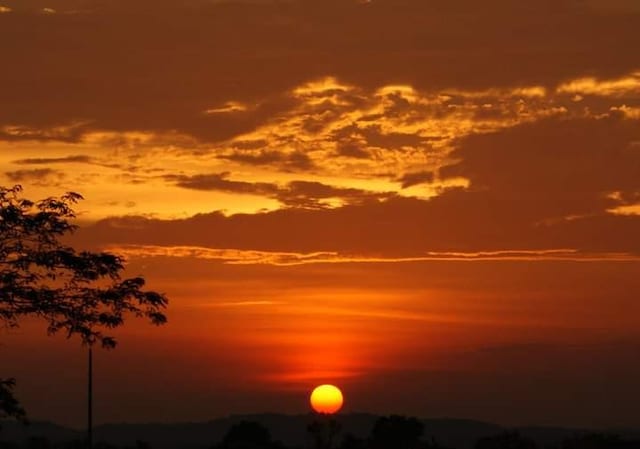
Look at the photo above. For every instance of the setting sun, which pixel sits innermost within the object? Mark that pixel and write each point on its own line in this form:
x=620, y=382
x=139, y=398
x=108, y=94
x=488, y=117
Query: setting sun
x=326, y=399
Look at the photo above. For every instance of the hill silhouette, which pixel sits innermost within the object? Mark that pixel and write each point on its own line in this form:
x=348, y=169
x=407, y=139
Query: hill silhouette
x=288, y=429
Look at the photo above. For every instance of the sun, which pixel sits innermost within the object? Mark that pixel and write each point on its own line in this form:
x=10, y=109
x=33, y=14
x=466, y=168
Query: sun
x=326, y=399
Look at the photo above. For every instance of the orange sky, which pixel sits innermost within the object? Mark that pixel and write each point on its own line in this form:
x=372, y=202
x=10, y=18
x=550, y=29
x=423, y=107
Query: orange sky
x=433, y=204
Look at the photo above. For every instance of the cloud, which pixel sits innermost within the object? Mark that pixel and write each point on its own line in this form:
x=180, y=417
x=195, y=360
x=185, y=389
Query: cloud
x=81, y=158
x=397, y=227
x=433, y=116
x=38, y=176
x=554, y=168
x=310, y=194
x=548, y=184
x=301, y=194
x=71, y=133
x=412, y=179
x=253, y=257
x=396, y=128
x=614, y=6
x=228, y=107
x=351, y=149
x=296, y=160
x=629, y=112
x=460, y=46
x=221, y=182
x=592, y=86
x=368, y=140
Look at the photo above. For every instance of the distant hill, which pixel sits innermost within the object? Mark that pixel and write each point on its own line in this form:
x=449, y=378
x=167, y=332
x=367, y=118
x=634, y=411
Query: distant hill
x=289, y=429
x=12, y=431
x=458, y=433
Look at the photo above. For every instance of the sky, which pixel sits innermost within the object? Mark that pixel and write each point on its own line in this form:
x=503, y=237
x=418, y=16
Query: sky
x=432, y=204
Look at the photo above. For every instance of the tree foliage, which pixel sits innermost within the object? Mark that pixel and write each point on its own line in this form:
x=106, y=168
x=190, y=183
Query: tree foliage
x=248, y=435
x=80, y=293
x=507, y=440
x=9, y=405
x=396, y=431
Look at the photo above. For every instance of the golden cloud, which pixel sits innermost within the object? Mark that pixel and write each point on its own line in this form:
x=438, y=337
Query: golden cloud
x=276, y=258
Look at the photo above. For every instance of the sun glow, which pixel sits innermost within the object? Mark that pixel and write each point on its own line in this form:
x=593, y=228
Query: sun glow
x=326, y=399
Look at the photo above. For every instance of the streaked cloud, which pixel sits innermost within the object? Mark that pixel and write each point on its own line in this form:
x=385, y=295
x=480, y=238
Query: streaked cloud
x=249, y=257
x=412, y=179
x=302, y=194
x=72, y=132
x=628, y=85
x=37, y=176
x=241, y=304
x=230, y=106
x=81, y=159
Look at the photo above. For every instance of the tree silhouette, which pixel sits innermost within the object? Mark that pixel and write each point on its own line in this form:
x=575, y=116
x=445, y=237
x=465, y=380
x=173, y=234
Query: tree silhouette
x=38, y=443
x=324, y=430
x=397, y=432
x=248, y=435
x=78, y=292
x=507, y=440
x=9, y=405
x=599, y=441
x=351, y=441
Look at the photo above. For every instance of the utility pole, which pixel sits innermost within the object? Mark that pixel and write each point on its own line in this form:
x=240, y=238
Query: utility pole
x=90, y=401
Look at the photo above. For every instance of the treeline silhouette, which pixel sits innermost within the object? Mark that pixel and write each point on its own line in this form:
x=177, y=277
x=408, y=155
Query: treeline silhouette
x=388, y=432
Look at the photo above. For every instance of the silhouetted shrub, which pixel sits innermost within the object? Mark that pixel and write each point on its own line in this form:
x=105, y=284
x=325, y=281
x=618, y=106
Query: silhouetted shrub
x=248, y=435
x=508, y=440
x=324, y=432
x=396, y=432
x=8, y=445
x=599, y=441
x=38, y=443
x=353, y=442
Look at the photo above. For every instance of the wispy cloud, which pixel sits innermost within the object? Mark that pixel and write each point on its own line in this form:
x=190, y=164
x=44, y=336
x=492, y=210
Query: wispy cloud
x=616, y=87
x=233, y=304
x=251, y=257
x=37, y=176
x=81, y=159
x=298, y=193
x=228, y=107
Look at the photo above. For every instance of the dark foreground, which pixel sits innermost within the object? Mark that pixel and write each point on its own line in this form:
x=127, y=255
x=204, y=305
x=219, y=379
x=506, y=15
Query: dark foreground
x=353, y=431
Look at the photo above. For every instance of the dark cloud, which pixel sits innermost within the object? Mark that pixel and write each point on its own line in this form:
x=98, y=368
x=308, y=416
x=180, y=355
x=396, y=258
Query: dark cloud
x=412, y=179
x=255, y=158
x=294, y=161
x=377, y=138
x=129, y=164
x=554, y=168
x=298, y=194
x=55, y=160
x=220, y=182
x=71, y=66
x=43, y=132
x=250, y=144
x=309, y=194
x=374, y=136
x=396, y=227
x=299, y=160
x=352, y=149
x=536, y=186
x=37, y=176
